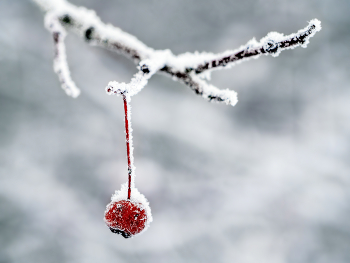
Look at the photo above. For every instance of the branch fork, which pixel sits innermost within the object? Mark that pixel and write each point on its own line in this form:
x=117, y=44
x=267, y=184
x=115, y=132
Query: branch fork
x=191, y=69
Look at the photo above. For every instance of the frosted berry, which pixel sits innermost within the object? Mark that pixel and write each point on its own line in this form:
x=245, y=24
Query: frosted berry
x=126, y=218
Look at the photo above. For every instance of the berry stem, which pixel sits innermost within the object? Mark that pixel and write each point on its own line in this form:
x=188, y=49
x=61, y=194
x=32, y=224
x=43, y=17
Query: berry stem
x=128, y=134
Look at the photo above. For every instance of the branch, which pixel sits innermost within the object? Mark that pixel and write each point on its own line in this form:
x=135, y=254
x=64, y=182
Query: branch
x=60, y=64
x=272, y=44
x=147, y=68
x=188, y=68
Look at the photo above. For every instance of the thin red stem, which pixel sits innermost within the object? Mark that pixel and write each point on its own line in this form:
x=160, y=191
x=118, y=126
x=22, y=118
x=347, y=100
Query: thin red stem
x=127, y=145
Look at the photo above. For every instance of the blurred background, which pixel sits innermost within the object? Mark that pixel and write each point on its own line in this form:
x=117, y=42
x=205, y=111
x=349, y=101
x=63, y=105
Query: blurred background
x=265, y=181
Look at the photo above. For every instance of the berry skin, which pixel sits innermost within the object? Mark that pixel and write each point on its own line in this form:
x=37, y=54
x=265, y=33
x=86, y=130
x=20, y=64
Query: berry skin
x=126, y=218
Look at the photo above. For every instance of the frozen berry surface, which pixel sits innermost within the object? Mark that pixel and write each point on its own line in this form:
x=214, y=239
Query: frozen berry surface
x=126, y=218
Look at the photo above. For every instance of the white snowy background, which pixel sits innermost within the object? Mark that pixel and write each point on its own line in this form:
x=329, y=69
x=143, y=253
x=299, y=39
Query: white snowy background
x=265, y=181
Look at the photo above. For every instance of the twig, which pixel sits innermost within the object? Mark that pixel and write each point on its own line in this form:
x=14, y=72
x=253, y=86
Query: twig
x=60, y=64
x=188, y=68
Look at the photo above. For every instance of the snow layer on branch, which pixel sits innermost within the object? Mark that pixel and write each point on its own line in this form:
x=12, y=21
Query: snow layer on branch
x=84, y=19
x=189, y=68
x=212, y=93
x=147, y=68
x=272, y=44
x=60, y=63
x=275, y=42
x=136, y=197
x=194, y=60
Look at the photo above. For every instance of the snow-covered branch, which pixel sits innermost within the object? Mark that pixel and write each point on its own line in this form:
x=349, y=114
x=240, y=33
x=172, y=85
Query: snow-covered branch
x=188, y=68
x=147, y=68
x=272, y=44
x=60, y=64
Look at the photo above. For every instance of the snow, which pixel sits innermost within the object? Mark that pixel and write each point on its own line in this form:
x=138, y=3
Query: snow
x=60, y=63
x=147, y=68
x=209, y=92
x=136, y=197
x=85, y=19
x=274, y=38
x=122, y=194
x=131, y=144
x=193, y=60
x=196, y=66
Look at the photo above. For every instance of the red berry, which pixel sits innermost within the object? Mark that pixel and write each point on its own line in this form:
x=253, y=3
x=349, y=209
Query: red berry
x=126, y=218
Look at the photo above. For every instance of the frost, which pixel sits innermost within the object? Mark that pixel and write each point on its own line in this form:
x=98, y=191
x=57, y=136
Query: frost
x=211, y=92
x=147, y=68
x=272, y=44
x=128, y=190
x=136, y=197
x=129, y=141
x=275, y=42
x=84, y=19
x=192, y=69
x=60, y=64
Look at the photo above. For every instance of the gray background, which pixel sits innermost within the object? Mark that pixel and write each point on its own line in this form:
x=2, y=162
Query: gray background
x=265, y=181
